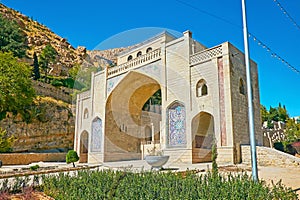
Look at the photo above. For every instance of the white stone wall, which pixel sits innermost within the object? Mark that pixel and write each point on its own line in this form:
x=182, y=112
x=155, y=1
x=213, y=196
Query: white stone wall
x=172, y=72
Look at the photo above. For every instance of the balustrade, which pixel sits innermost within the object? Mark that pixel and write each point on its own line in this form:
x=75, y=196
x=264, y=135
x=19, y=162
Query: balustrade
x=141, y=60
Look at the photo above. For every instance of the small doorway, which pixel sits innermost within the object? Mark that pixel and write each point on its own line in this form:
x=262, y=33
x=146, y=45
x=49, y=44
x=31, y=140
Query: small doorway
x=84, y=147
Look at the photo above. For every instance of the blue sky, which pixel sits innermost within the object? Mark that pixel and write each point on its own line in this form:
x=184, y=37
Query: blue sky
x=90, y=22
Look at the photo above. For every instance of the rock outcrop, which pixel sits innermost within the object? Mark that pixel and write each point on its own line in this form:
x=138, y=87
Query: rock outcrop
x=38, y=36
x=52, y=127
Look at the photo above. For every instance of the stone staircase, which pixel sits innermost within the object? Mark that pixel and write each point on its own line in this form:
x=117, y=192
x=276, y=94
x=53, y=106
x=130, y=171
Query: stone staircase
x=269, y=157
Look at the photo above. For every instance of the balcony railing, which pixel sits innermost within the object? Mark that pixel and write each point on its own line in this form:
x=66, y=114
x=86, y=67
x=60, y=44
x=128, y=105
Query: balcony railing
x=137, y=62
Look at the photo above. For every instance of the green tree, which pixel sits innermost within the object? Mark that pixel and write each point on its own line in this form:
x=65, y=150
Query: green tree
x=12, y=38
x=282, y=113
x=36, y=68
x=292, y=131
x=74, y=71
x=6, y=142
x=214, y=156
x=16, y=91
x=72, y=157
x=47, y=58
x=264, y=113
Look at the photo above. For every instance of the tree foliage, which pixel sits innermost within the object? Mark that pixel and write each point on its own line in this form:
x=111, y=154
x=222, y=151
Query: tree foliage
x=214, y=156
x=273, y=114
x=16, y=92
x=6, y=142
x=72, y=157
x=47, y=57
x=36, y=68
x=292, y=131
x=12, y=38
x=82, y=76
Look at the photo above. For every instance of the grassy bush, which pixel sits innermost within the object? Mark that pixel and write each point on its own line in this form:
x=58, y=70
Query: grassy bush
x=57, y=83
x=153, y=185
x=34, y=167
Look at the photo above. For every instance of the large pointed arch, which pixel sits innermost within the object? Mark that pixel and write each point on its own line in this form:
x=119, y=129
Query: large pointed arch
x=123, y=124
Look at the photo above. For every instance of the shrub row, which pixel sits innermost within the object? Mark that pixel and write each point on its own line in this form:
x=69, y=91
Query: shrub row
x=159, y=185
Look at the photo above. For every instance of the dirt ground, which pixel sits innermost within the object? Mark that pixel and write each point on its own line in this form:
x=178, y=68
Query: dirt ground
x=290, y=176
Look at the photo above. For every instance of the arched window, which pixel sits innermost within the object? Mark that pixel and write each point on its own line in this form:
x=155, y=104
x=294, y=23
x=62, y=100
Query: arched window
x=201, y=88
x=204, y=90
x=86, y=114
x=129, y=58
x=148, y=50
x=176, y=124
x=242, y=86
x=139, y=54
x=96, y=135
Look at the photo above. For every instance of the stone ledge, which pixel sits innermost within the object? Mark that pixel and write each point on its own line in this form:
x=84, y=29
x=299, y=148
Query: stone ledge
x=27, y=158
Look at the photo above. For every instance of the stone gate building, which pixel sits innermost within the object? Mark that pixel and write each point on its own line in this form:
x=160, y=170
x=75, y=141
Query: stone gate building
x=203, y=96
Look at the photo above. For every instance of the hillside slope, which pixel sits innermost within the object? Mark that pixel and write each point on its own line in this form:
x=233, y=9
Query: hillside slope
x=54, y=102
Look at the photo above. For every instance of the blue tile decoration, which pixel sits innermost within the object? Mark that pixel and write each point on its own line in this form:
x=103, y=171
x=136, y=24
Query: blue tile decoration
x=96, y=135
x=152, y=70
x=111, y=83
x=177, y=127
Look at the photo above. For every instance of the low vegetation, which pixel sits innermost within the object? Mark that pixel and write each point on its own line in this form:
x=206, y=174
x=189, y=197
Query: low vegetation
x=6, y=142
x=107, y=184
x=150, y=185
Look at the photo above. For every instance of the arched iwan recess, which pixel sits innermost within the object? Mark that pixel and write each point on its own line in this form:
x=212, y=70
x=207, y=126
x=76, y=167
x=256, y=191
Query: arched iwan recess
x=202, y=133
x=84, y=147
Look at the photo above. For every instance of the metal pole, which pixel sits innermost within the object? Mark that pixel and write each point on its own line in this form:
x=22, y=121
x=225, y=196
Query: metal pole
x=249, y=94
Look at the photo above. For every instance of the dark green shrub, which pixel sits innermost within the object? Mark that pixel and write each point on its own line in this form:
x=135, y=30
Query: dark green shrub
x=57, y=83
x=34, y=167
x=72, y=157
x=68, y=82
x=279, y=146
x=296, y=146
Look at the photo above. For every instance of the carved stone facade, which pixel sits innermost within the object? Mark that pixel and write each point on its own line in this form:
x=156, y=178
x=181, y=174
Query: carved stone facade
x=203, y=97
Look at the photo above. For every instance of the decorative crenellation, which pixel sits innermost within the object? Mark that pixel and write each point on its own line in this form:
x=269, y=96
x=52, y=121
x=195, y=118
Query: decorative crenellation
x=206, y=55
x=137, y=62
x=84, y=95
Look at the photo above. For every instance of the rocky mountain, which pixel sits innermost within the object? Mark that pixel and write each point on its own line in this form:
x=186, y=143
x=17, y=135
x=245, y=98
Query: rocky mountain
x=38, y=36
x=53, y=126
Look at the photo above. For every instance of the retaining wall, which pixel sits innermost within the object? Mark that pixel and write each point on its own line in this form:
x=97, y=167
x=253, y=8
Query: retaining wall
x=27, y=158
x=269, y=157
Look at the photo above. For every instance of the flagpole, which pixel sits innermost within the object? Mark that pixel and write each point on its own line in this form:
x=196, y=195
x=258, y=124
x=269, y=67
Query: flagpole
x=249, y=94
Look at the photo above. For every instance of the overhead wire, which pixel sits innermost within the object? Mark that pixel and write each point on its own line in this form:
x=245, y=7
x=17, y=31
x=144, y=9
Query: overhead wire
x=255, y=39
x=285, y=12
x=272, y=53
